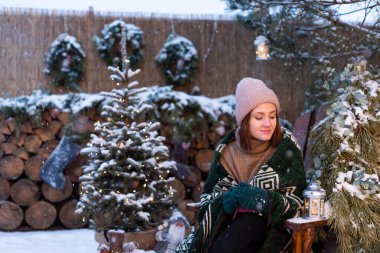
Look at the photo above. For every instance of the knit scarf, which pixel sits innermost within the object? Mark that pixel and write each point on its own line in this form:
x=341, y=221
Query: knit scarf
x=243, y=164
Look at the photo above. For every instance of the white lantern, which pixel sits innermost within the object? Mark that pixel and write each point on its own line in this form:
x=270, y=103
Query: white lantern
x=261, y=44
x=314, y=207
x=361, y=65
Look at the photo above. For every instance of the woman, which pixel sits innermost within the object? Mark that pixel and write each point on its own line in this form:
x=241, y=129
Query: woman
x=255, y=182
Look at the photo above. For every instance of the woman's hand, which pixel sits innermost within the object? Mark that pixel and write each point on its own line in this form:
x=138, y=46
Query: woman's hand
x=246, y=196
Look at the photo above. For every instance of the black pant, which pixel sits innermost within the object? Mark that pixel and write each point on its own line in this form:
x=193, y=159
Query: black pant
x=244, y=234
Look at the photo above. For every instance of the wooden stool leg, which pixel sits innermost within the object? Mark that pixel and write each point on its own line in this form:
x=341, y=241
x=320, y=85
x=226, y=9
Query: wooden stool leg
x=307, y=239
x=297, y=241
x=303, y=233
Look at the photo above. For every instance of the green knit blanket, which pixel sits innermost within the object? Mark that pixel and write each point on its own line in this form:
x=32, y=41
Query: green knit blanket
x=282, y=176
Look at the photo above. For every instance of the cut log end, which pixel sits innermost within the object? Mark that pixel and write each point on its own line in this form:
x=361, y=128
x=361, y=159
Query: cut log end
x=25, y=192
x=179, y=191
x=11, y=215
x=11, y=167
x=69, y=218
x=5, y=189
x=56, y=195
x=40, y=215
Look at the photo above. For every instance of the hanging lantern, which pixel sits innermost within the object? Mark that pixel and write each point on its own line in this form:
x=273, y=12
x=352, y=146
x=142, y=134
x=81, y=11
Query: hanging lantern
x=314, y=197
x=361, y=65
x=261, y=44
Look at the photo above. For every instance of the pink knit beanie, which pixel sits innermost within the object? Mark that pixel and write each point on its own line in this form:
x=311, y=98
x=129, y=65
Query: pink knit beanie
x=249, y=94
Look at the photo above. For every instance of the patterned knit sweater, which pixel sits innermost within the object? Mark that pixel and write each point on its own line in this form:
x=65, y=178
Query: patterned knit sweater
x=282, y=176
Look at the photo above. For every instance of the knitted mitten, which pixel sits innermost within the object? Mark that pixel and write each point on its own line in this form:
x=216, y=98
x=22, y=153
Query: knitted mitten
x=248, y=197
x=229, y=202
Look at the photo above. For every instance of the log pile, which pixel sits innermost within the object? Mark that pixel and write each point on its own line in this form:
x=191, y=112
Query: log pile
x=26, y=202
x=193, y=163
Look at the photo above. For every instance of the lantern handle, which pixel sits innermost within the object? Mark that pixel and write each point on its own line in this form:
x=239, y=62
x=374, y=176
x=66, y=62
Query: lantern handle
x=260, y=29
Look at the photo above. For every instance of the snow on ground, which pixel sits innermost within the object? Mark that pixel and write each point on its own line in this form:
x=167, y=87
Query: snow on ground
x=59, y=241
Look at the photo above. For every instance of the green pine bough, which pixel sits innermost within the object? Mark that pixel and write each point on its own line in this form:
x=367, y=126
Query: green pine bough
x=346, y=152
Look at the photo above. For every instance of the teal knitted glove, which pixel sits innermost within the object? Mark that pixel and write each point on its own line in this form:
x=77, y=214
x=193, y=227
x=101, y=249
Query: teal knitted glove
x=229, y=202
x=248, y=197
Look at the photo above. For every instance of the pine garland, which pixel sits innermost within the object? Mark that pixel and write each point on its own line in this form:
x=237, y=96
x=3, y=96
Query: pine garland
x=346, y=153
x=64, y=61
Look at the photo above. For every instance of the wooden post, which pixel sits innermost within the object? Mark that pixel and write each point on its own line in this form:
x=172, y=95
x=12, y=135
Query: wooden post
x=116, y=239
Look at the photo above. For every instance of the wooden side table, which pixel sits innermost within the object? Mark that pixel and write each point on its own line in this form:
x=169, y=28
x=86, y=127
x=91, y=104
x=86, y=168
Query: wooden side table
x=303, y=233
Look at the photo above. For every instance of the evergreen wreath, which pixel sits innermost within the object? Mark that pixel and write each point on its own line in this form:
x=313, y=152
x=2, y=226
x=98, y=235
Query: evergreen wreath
x=109, y=47
x=178, y=59
x=64, y=61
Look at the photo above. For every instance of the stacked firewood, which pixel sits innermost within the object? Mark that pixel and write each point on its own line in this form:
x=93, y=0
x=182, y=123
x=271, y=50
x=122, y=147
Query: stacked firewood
x=29, y=203
x=193, y=163
x=26, y=202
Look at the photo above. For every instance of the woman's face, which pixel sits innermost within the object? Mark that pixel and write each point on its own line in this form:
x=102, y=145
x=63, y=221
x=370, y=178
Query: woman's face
x=263, y=121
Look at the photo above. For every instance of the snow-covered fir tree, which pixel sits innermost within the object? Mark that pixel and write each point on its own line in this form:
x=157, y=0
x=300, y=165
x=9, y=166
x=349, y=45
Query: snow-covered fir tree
x=346, y=161
x=125, y=181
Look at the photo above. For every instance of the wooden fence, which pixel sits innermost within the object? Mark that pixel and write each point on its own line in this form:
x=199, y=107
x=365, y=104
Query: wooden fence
x=224, y=46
